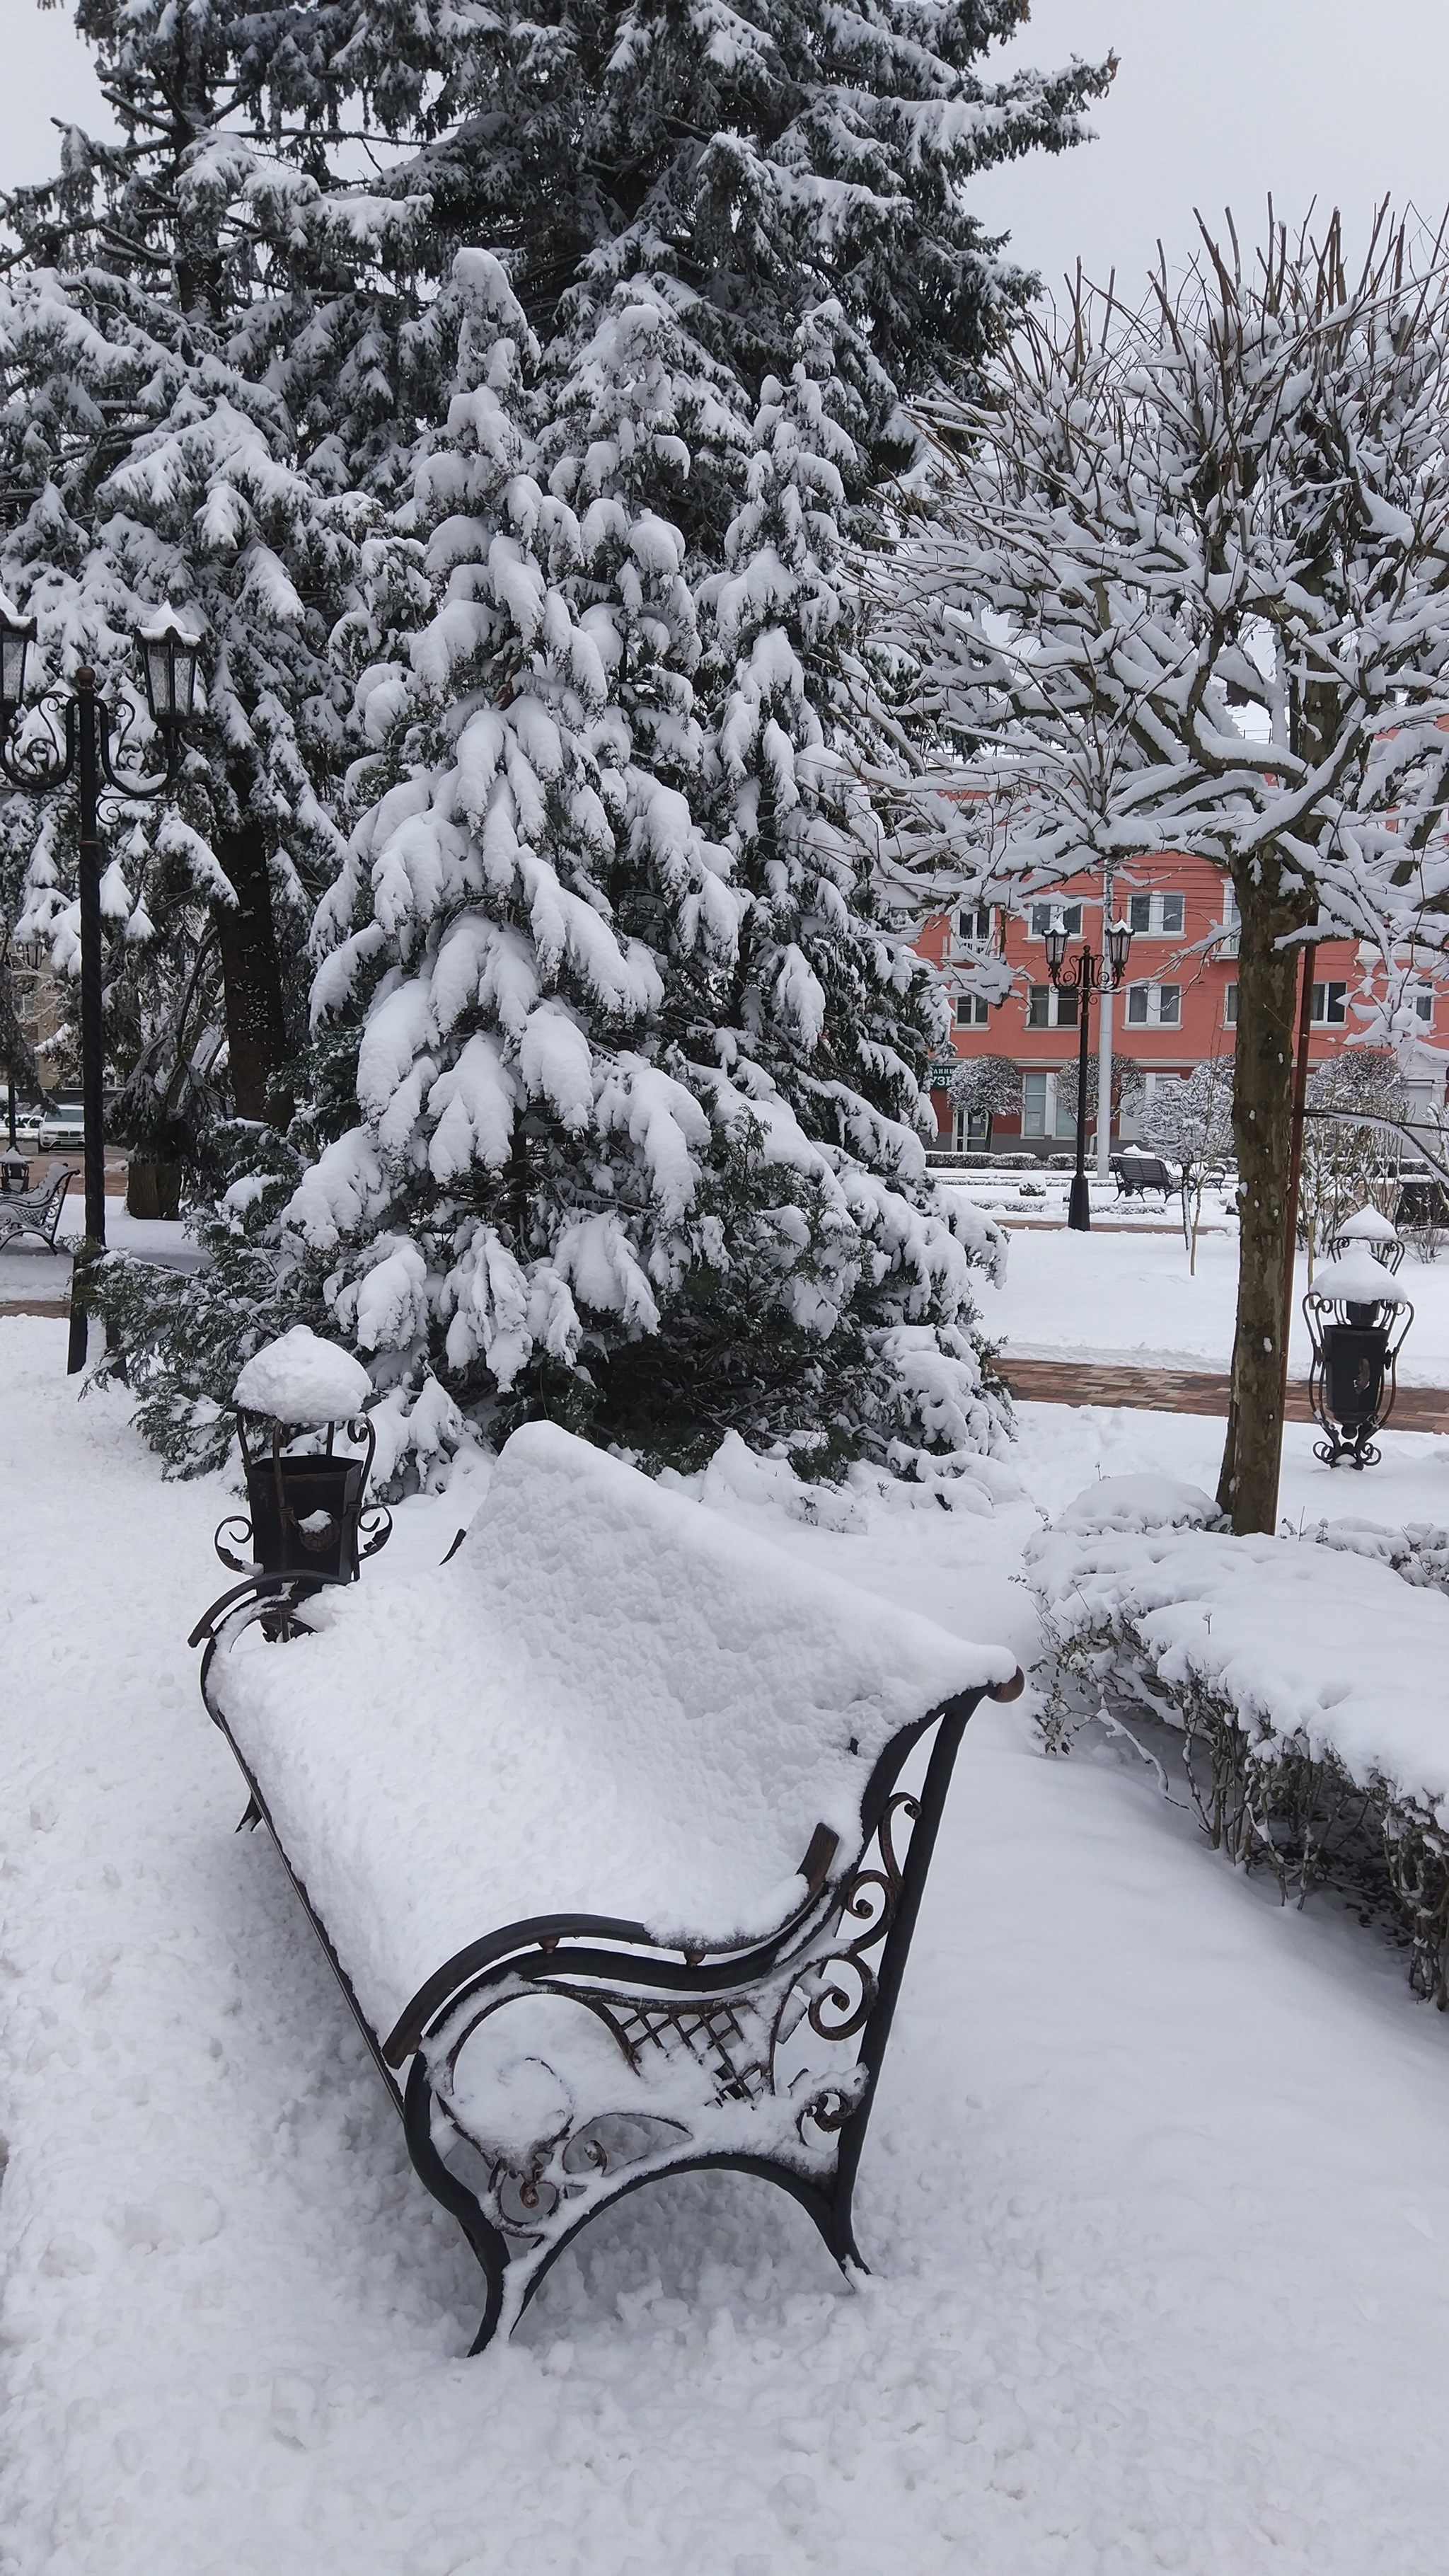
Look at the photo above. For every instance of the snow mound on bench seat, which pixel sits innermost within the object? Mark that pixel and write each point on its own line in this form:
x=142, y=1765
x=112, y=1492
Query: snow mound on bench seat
x=612, y=1701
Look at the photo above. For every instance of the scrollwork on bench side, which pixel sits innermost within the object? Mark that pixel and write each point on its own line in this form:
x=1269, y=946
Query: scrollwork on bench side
x=729, y=2023
x=726, y=2019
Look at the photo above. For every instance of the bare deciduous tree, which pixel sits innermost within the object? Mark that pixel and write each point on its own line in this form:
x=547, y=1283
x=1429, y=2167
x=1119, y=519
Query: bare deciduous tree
x=1183, y=585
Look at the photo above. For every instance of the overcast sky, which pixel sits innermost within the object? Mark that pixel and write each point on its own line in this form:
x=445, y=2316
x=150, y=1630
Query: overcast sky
x=1216, y=103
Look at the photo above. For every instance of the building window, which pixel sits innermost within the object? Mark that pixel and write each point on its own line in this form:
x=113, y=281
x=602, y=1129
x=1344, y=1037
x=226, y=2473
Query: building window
x=1330, y=1005
x=972, y=1011
x=1154, y=1006
x=1050, y=1008
x=1059, y=916
x=974, y=922
x=1035, y=1090
x=1424, y=1005
x=1230, y=1006
x=1155, y=916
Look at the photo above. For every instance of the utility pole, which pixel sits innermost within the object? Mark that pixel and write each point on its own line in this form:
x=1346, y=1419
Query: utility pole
x=1104, y=1043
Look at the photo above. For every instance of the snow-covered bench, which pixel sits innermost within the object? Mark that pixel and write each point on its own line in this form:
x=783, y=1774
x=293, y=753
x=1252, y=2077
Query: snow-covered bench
x=603, y=1826
x=36, y=1211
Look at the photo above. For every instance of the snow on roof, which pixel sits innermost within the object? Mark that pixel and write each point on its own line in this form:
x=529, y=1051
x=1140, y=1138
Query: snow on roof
x=611, y=1701
x=303, y=1380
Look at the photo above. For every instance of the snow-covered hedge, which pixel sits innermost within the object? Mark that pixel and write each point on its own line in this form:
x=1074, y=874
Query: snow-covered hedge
x=1307, y=1681
x=1418, y=1552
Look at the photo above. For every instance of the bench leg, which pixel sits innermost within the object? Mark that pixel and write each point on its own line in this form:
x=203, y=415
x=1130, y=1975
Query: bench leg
x=514, y=2276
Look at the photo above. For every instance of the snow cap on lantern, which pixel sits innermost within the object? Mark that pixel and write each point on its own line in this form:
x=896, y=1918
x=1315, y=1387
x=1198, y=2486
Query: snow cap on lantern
x=1366, y=1225
x=1356, y=1279
x=303, y=1380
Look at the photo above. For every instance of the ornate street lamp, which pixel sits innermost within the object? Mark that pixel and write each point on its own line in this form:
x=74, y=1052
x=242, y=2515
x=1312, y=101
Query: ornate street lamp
x=1357, y=1317
x=1090, y=974
x=81, y=748
x=309, y=1514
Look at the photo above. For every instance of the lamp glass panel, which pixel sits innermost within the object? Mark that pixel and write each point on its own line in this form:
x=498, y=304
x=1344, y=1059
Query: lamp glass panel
x=156, y=652
x=14, y=650
x=183, y=677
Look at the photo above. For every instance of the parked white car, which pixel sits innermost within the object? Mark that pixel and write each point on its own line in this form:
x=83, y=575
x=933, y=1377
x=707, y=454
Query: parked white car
x=61, y=1130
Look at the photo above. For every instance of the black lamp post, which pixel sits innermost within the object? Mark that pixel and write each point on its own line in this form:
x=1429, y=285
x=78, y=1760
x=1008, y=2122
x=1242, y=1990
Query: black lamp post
x=1090, y=974
x=82, y=749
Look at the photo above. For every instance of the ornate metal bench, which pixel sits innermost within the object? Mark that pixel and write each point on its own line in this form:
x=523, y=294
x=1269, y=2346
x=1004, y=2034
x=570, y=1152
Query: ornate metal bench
x=36, y=1211
x=614, y=1829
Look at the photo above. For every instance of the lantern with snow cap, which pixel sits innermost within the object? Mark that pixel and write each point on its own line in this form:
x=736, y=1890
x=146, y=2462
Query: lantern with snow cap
x=309, y=1515
x=1357, y=1319
x=1377, y=1234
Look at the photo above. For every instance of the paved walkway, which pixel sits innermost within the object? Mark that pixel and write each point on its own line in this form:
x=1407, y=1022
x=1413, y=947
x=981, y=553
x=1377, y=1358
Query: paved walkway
x=1149, y=1390
x=1158, y=1390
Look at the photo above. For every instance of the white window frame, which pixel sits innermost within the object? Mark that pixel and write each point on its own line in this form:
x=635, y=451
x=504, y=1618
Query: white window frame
x=1323, y=1014
x=1042, y=916
x=969, y=932
x=1152, y=1017
x=1057, y=996
x=1154, y=926
x=973, y=1011
x=1049, y=1109
x=1230, y=1006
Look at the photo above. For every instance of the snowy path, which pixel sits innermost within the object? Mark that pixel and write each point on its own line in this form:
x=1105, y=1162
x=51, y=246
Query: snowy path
x=1116, y=1297
x=1157, y=2194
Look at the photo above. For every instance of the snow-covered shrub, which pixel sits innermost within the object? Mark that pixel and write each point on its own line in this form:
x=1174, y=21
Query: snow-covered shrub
x=1306, y=1684
x=1418, y=1551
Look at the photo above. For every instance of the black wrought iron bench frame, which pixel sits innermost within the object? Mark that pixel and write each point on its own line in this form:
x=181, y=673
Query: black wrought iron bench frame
x=1136, y=1174
x=36, y=1211
x=835, y=1964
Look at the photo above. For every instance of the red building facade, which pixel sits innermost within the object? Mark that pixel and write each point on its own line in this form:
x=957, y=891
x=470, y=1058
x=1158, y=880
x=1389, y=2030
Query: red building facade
x=1177, y=1009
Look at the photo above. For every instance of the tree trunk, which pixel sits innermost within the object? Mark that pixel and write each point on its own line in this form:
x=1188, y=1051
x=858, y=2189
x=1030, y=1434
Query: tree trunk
x=256, y=1021
x=1262, y=1135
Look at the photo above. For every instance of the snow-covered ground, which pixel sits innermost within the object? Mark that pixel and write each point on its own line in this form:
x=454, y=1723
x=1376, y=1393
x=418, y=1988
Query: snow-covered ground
x=1119, y=1297
x=1040, y=1198
x=1156, y=2196
x=28, y=1270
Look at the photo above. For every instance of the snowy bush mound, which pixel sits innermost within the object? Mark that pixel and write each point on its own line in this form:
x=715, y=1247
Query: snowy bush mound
x=610, y=1701
x=1418, y=1551
x=1308, y=1681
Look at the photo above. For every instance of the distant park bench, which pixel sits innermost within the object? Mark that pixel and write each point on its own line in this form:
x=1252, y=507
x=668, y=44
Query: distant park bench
x=603, y=1829
x=1136, y=1174
x=36, y=1211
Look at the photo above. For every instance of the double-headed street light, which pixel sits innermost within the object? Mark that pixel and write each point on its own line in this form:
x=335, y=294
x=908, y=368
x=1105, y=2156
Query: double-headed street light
x=80, y=747
x=1090, y=974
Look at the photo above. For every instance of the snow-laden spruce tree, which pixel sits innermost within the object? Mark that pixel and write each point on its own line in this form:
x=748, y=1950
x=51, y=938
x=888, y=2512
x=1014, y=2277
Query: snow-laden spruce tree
x=1188, y=589
x=613, y=1096
x=194, y=411
x=617, y=1068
